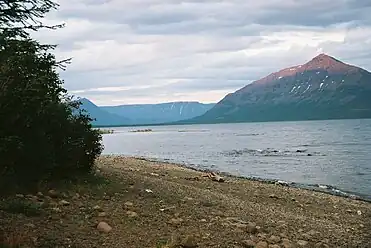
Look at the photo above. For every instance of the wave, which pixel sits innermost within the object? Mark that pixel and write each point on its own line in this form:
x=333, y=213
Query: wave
x=248, y=134
x=269, y=152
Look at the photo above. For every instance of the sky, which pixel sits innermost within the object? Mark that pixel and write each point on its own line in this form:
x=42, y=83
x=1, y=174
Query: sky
x=152, y=51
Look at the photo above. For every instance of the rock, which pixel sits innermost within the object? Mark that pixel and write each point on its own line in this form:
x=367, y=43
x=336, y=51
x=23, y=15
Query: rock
x=262, y=236
x=64, y=203
x=76, y=196
x=131, y=214
x=148, y=190
x=262, y=244
x=273, y=196
x=52, y=193
x=274, y=246
x=40, y=194
x=306, y=236
x=96, y=207
x=48, y=198
x=313, y=233
x=302, y=243
x=274, y=239
x=189, y=242
x=128, y=204
x=361, y=225
x=30, y=225
x=286, y=243
x=203, y=220
x=248, y=243
x=175, y=221
x=104, y=227
x=321, y=245
x=102, y=214
x=57, y=210
x=251, y=228
x=19, y=195
x=283, y=235
x=359, y=212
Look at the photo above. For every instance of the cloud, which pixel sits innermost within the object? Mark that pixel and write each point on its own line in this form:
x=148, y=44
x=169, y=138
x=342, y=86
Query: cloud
x=146, y=51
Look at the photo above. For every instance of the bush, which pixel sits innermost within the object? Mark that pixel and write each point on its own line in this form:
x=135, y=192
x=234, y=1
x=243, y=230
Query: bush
x=43, y=135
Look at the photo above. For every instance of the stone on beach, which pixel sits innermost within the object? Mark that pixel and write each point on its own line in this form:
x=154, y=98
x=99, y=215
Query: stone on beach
x=104, y=227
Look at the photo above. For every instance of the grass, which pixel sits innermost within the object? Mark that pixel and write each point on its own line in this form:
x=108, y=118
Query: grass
x=13, y=240
x=21, y=206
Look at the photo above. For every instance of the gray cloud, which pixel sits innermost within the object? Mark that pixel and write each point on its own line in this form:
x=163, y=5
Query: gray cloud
x=136, y=51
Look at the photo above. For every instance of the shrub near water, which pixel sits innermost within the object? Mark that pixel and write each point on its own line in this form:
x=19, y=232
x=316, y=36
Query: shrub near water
x=43, y=135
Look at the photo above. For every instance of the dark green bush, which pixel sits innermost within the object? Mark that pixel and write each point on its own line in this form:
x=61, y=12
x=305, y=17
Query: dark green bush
x=43, y=135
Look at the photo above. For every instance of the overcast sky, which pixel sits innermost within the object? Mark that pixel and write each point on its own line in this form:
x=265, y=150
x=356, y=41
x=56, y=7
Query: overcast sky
x=151, y=51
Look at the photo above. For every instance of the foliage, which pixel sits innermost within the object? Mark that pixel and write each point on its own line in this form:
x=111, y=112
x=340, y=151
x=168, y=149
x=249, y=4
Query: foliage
x=43, y=135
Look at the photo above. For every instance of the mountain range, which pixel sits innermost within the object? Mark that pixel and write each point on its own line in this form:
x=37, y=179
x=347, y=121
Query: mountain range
x=143, y=114
x=323, y=88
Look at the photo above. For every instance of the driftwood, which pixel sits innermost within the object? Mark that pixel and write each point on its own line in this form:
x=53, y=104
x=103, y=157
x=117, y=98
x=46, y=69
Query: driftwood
x=213, y=176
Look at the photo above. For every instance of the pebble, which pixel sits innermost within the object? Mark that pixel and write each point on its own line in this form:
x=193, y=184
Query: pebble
x=274, y=239
x=102, y=214
x=131, y=214
x=359, y=212
x=302, y=243
x=274, y=246
x=30, y=225
x=251, y=228
x=262, y=244
x=306, y=236
x=287, y=243
x=97, y=207
x=189, y=242
x=248, y=243
x=40, y=194
x=19, y=195
x=273, y=196
x=104, y=227
x=128, y=204
x=52, y=193
x=57, y=210
x=64, y=203
x=176, y=221
x=322, y=245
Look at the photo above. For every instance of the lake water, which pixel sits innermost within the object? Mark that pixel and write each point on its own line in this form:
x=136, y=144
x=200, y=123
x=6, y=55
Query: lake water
x=321, y=154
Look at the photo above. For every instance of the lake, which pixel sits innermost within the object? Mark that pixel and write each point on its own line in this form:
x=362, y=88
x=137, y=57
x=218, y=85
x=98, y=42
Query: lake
x=334, y=156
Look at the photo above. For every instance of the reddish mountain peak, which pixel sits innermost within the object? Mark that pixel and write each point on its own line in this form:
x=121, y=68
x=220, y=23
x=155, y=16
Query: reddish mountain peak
x=320, y=62
x=325, y=62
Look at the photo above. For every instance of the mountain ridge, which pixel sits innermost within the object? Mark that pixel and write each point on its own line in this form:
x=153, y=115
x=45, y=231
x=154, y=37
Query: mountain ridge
x=322, y=88
x=143, y=114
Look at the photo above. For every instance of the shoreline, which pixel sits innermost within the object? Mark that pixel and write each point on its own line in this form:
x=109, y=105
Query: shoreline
x=323, y=188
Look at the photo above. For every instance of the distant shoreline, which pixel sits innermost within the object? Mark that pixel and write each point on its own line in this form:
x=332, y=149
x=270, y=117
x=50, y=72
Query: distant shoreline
x=183, y=123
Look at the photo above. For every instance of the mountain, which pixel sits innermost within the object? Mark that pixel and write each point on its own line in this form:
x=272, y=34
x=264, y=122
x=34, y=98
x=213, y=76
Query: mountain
x=103, y=118
x=159, y=113
x=323, y=88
